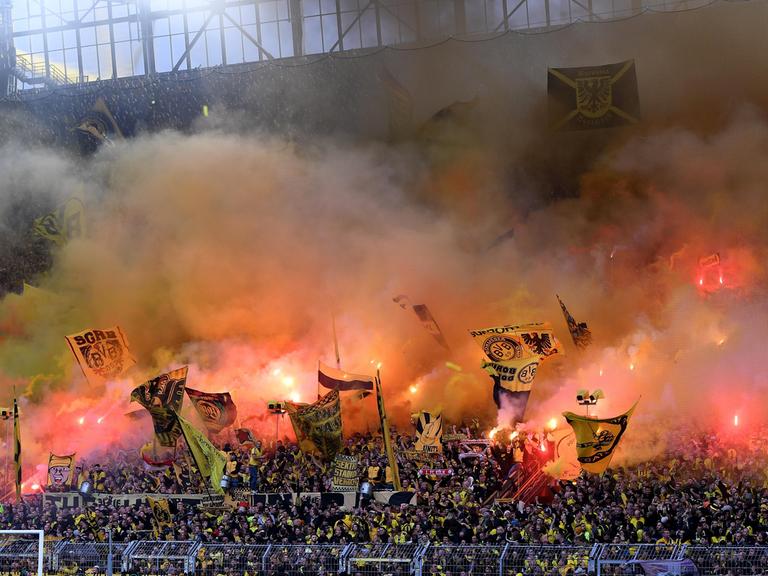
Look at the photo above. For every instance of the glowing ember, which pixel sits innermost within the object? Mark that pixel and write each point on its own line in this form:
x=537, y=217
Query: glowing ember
x=513, y=435
x=100, y=420
x=288, y=381
x=632, y=366
x=413, y=389
x=294, y=397
x=276, y=372
x=721, y=342
x=735, y=419
x=81, y=420
x=552, y=424
x=35, y=486
x=701, y=281
x=493, y=432
x=543, y=447
x=601, y=371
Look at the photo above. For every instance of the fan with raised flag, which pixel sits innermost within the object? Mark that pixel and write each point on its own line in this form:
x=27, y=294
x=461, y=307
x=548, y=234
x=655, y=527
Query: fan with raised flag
x=335, y=379
x=581, y=335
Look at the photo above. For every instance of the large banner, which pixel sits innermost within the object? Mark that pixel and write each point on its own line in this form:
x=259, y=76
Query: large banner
x=161, y=514
x=61, y=470
x=504, y=343
x=102, y=354
x=429, y=432
x=593, y=96
x=162, y=397
x=597, y=439
x=318, y=426
x=209, y=459
x=345, y=477
x=335, y=379
x=216, y=409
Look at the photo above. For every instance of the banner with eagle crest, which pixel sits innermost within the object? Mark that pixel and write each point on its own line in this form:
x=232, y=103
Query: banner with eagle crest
x=597, y=439
x=102, y=354
x=162, y=397
x=505, y=343
x=216, y=409
x=593, y=96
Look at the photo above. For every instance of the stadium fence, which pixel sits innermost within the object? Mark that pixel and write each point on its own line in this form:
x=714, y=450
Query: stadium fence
x=152, y=557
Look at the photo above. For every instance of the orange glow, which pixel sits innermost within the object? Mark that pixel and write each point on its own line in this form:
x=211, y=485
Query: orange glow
x=632, y=366
x=493, y=432
x=413, y=389
x=294, y=397
x=100, y=420
x=735, y=419
x=81, y=420
x=288, y=381
x=513, y=435
x=552, y=424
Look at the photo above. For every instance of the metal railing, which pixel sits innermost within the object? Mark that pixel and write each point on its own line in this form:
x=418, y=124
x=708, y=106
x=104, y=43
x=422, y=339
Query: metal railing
x=378, y=559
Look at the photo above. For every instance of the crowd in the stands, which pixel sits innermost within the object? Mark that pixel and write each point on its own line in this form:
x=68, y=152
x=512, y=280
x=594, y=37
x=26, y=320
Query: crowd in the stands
x=708, y=492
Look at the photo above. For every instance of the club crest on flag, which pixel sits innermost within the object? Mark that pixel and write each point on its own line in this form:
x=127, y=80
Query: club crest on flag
x=162, y=397
x=597, y=439
x=217, y=410
x=101, y=354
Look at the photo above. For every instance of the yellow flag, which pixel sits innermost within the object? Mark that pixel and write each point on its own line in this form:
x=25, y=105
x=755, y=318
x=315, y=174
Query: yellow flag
x=102, y=354
x=161, y=512
x=504, y=343
x=429, y=433
x=597, y=439
x=209, y=459
x=66, y=222
x=514, y=375
x=318, y=426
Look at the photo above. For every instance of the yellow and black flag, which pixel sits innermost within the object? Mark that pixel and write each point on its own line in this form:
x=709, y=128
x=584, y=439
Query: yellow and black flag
x=216, y=409
x=318, y=426
x=17, y=448
x=597, y=439
x=580, y=334
x=99, y=125
x=429, y=433
x=593, y=96
x=210, y=460
x=61, y=470
x=65, y=223
x=162, y=397
x=102, y=354
x=161, y=514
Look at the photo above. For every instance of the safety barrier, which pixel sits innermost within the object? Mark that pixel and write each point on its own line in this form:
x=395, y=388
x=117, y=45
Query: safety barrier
x=153, y=557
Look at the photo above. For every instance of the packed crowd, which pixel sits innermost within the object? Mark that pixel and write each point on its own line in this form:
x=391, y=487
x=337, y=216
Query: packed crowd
x=710, y=492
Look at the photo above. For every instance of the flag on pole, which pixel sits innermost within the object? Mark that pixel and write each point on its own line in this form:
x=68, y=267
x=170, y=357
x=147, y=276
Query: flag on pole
x=425, y=317
x=580, y=334
x=597, y=439
x=339, y=380
x=217, y=410
x=102, y=354
x=318, y=425
x=161, y=514
x=162, y=397
x=210, y=460
x=387, y=438
x=17, y=448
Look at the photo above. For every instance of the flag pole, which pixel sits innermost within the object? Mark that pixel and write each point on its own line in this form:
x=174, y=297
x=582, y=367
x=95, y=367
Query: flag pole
x=385, y=432
x=335, y=342
x=17, y=445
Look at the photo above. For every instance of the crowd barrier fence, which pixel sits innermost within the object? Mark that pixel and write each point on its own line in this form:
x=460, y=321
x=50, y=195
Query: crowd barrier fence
x=152, y=557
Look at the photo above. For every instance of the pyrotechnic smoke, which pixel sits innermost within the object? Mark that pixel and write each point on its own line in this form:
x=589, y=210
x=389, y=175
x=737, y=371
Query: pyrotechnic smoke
x=231, y=253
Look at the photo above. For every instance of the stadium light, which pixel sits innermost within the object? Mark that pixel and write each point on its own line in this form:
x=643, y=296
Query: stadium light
x=587, y=399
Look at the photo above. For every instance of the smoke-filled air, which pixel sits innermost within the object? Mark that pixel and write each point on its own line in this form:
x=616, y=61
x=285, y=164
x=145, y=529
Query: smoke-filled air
x=240, y=254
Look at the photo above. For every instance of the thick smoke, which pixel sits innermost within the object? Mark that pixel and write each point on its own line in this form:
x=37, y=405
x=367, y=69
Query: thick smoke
x=232, y=253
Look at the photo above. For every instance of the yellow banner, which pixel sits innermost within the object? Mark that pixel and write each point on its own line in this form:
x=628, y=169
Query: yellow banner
x=597, y=439
x=505, y=343
x=63, y=224
x=429, y=433
x=61, y=470
x=161, y=513
x=102, y=354
x=514, y=375
x=209, y=459
x=318, y=426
